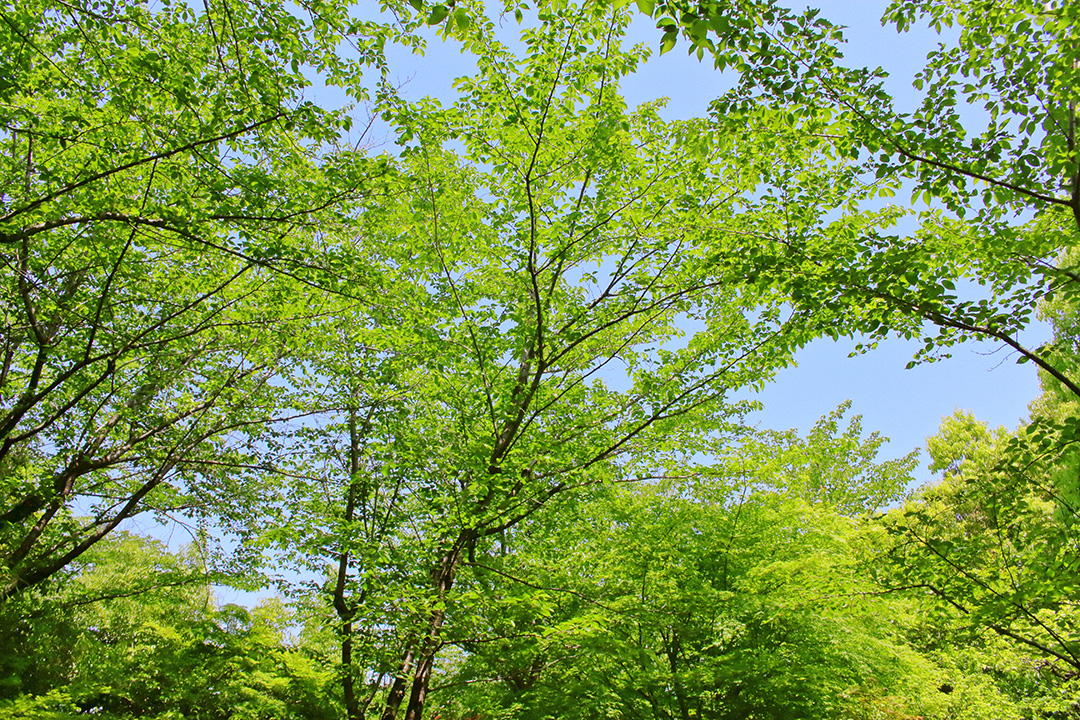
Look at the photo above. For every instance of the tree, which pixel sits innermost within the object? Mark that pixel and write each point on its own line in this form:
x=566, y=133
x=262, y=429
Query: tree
x=713, y=595
x=1002, y=210
x=1003, y=204
x=164, y=186
x=135, y=633
x=989, y=548
x=1003, y=213
x=827, y=467
x=991, y=543
x=558, y=316
x=350, y=505
x=50, y=639
x=412, y=365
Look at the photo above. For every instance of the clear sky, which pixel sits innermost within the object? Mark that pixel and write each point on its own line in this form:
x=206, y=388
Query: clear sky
x=905, y=405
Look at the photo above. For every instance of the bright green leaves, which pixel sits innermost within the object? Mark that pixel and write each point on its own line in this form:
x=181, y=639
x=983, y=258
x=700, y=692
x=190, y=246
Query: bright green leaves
x=571, y=318
x=135, y=634
x=460, y=21
x=991, y=539
x=703, y=590
x=999, y=66
x=545, y=291
x=1017, y=62
x=667, y=42
x=1017, y=65
x=171, y=201
x=828, y=467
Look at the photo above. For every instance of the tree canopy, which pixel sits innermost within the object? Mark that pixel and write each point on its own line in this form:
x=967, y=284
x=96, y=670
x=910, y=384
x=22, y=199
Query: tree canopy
x=479, y=402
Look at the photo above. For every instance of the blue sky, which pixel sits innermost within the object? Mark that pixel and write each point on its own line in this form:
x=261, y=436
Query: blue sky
x=904, y=405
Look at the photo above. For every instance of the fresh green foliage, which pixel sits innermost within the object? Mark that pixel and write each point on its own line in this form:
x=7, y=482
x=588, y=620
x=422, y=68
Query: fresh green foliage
x=561, y=317
x=165, y=186
x=824, y=468
x=994, y=208
x=483, y=392
x=705, y=596
x=135, y=633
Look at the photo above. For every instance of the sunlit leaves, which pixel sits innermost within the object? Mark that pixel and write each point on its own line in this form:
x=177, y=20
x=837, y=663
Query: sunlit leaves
x=167, y=193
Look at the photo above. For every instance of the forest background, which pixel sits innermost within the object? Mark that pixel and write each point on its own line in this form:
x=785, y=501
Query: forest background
x=489, y=391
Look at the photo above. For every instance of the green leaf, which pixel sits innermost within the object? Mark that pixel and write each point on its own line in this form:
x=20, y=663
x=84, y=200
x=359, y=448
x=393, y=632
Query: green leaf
x=438, y=14
x=668, y=41
x=461, y=19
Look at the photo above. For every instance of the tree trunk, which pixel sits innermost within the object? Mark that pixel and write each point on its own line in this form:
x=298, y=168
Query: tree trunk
x=673, y=650
x=347, y=610
x=397, y=690
x=425, y=666
x=443, y=577
x=352, y=708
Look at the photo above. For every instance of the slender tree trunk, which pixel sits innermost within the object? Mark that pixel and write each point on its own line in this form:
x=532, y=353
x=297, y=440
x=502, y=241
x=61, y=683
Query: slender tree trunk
x=397, y=690
x=352, y=708
x=424, y=667
x=347, y=610
x=443, y=578
x=673, y=650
